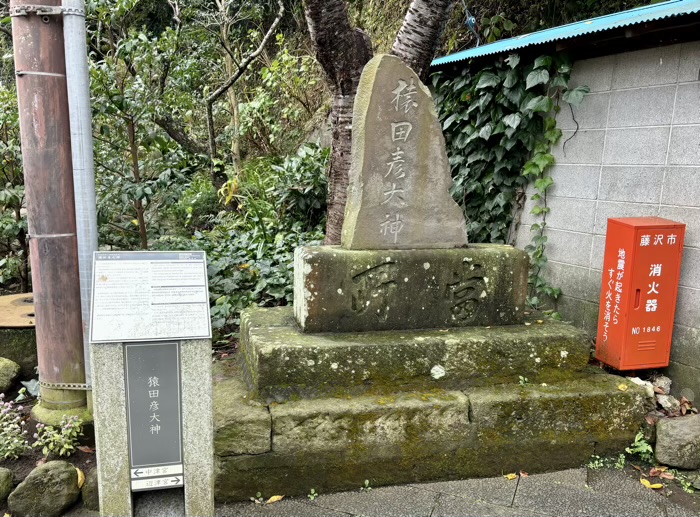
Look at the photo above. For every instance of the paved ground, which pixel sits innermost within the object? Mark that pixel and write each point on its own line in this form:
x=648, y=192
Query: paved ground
x=569, y=493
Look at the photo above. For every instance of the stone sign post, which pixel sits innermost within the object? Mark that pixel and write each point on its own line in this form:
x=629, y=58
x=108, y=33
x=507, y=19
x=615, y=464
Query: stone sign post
x=151, y=370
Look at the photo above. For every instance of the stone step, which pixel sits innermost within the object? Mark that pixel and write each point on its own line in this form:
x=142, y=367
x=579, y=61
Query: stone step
x=283, y=363
x=335, y=444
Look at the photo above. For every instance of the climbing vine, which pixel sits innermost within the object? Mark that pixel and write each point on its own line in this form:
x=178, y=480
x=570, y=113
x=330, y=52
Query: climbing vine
x=499, y=125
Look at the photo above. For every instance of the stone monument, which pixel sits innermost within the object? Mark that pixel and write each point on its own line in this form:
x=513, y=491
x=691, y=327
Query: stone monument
x=400, y=177
x=409, y=355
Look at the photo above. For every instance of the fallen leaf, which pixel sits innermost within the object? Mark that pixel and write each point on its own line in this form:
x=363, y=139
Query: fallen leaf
x=81, y=477
x=667, y=475
x=637, y=468
x=7, y=515
x=85, y=448
x=648, y=484
x=527, y=323
x=274, y=499
x=651, y=420
x=511, y=477
x=540, y=321
x=523, y=474
x=622, y=387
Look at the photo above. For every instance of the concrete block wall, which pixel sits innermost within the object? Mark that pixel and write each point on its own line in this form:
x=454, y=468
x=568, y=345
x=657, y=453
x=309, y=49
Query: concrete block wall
x=636, y=153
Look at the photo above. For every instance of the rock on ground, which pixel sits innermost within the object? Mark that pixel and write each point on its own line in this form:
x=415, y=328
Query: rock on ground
x=664, y=383
x=90, y=491
x=48, y=491
x=678, y=441
x=668, y=402
x=9, y=371
x=7, y=479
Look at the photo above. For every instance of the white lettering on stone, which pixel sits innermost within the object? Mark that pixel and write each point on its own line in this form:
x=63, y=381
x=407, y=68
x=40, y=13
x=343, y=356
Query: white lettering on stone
x=393, y=191
x=391, y=226
x=404, y=95
x=396, y=164
x=400, y=131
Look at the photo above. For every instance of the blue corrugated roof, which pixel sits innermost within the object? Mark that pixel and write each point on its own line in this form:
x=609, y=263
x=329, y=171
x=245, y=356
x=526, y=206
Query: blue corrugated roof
x=603, y=23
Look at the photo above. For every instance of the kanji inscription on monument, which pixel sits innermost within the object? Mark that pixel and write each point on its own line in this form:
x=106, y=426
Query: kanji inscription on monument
x=400, y=177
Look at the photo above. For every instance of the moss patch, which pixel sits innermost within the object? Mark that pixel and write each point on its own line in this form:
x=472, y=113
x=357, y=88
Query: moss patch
x=281, y=362
x=241, y=425
x=335, y=444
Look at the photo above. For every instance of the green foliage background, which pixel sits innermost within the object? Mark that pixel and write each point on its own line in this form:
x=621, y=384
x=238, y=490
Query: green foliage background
x=499, y=126
x=153, y=60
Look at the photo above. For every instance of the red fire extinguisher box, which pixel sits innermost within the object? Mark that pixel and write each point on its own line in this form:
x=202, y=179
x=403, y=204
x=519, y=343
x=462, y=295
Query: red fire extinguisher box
x=641, y=271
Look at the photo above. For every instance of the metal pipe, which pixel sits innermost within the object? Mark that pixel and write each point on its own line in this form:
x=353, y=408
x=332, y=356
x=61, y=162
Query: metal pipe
x=37, y=32
x=78, y=81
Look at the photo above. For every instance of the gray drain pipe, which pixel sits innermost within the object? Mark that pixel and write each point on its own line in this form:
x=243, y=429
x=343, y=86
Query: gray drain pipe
x=78, y=81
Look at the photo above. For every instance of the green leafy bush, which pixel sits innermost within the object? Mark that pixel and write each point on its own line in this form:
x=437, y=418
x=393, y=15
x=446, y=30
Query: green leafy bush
x=198, y=204
x=274, y=206
x=303, y=185
x=61, y=441
x=13, y=441
x=499, y=127
x=14, y=239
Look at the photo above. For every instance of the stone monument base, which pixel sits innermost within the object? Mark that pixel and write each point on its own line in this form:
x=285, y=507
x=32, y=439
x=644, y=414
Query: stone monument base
x=333, y=444
x=341, y=290
x=409, y=406
x=283, y=363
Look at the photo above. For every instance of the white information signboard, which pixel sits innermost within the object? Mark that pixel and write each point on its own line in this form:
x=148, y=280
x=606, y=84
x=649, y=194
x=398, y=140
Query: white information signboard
x=149, y=296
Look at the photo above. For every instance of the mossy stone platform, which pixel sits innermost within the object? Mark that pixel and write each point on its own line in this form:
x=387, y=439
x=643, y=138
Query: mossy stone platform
x=283, y=363
x=335, y=443
x=376, y=407
x=428, y=368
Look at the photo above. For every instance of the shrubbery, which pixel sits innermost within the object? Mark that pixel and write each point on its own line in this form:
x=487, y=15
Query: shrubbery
x=273, y=206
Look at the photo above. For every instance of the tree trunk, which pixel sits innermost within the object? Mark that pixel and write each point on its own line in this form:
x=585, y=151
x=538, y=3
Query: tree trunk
x=343, y=52
x=419, y=36
x=176, y=131
x=235, y=126
x=341, y=119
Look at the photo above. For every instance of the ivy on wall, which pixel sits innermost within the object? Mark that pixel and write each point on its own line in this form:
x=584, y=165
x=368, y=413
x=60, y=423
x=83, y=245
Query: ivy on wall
x=499, y=127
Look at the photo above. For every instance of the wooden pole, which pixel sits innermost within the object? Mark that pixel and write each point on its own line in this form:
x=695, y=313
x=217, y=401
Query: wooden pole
x=37, y=32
